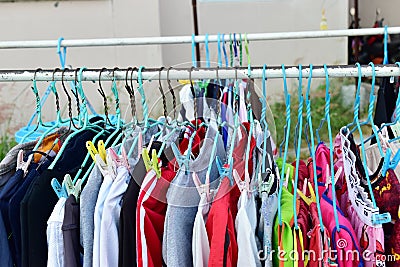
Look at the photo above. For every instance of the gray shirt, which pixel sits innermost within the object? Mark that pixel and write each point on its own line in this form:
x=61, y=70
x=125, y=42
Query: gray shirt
x=183, y=200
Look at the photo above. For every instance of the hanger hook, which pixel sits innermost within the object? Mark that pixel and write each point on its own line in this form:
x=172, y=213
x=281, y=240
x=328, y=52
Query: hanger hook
x=133, y=100
x=103, y=95
x=171, y=91
x=69, y=100
x=218, y=103
x=163, y=95
x=55, y=91
x=128, y=88
x=193, y=94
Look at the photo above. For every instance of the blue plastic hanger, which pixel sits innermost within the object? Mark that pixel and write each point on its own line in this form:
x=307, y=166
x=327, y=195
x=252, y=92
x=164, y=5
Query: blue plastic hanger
x=112, y=135
x=286, y=142
x=381, y=218
x=224, y=50
x=331, y=165
x=219, y=50
x=371, y=107
x=264, y=123
x=207, y=52
x=86, y=124
x=40, y=123
x=246, y=47
x=226, y=170
x=59, y=122
x=194, y=61
x=314, y=164
x=299, y=126
x=385, y=45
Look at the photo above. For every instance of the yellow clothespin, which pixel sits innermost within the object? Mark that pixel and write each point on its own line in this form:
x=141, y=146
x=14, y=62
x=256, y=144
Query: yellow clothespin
x=146, y=158
x=306, y=199
x=155, y=164
x=92, y=150
x=101, y=150
x=184, y=82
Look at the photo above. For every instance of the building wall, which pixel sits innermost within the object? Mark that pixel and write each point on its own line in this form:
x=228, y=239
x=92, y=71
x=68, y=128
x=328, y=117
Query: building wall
x=367, y=11
x=48, y=20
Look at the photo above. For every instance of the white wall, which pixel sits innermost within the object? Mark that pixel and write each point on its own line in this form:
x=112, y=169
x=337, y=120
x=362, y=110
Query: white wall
x=133, y=18
x=389, y=11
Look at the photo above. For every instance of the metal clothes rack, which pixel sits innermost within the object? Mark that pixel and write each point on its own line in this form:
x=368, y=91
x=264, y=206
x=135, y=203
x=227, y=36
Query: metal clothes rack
x=197, y=73
x=197, y=39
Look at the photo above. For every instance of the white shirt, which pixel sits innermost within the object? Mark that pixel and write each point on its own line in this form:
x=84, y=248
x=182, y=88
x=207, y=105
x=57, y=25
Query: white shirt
x=98, y=213
x=109, y=245
x=55, y=241
x=200, y=244
x=246, y=223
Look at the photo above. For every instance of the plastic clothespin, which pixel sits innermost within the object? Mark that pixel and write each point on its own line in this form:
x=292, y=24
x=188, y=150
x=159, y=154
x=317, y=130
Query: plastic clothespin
x=101, y=150
x=155, y=163
x=312, y=198
x=242, y=185
x=202, y=188
x=266, y=184
x=72, y=189
x=21, y=164
x=223, y=169
x=181, y=159
x=58, y=189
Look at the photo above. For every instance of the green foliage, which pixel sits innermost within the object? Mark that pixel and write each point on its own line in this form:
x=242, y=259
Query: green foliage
x=339, y=116
x=6, y=143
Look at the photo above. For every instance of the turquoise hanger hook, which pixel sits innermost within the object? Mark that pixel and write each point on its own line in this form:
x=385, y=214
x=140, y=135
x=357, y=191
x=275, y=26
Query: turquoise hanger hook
x=143, y=97
x=314, y=164
x=219, y=51
x=286, y=141
x=298, y=131
x=385, y=44
x=207, y=51
x=194, y=61
x=331, y=165
x=62, y=54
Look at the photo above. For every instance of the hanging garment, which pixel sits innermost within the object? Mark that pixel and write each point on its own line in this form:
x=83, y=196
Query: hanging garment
x=318, y=235
x=303, y=215
x=221, y=229
x=183, y=200
x=127, y=226
x=150, y=215
x=55, y=240
x=269, y=208
x=70, y=229
x=343, y=241
x=34, y=171
x=5, y=253
x=108, y=178
x=385, y=103
x=245, y=224
x=282, y=242
x=200, y=244
x=357, y=206
x=387, y=197
x=40, y=194
x=9, y=162
x=88, y=201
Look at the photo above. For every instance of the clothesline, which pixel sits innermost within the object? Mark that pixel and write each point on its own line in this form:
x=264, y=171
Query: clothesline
x=197, y=39
x=197, y=73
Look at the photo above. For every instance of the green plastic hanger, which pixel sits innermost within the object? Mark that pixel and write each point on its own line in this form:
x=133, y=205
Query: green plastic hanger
x=59, y=121
x=39, y=123
x=86, y=124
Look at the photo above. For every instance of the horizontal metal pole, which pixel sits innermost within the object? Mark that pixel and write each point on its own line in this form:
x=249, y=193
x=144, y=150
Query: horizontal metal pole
x=199, y=73
x=198, y=39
